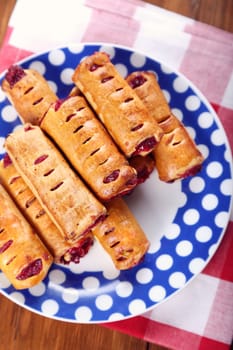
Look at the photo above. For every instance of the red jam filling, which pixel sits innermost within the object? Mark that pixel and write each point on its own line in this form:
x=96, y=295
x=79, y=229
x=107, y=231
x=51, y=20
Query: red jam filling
x=32, y=269
x=145, y=146
x=94, y=66
x=137, y=81
x=111, y=177
x=40, y=159
x=14, y=74
x=6, y=161
x=5, y=246
x=75, y=253
x=192, y=171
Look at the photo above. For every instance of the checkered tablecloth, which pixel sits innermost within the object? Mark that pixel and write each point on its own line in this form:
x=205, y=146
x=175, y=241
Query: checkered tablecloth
x=201, y=315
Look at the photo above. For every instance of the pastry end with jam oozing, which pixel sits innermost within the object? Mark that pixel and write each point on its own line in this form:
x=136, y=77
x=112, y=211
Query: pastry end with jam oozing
x=176, y=155
x=29, y=93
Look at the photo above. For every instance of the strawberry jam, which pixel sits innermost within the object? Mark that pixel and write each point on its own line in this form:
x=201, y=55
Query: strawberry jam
x=14, y=74
x=32, y=269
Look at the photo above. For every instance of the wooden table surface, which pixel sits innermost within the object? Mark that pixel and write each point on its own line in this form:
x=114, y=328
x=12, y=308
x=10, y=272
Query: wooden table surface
x=22, y=329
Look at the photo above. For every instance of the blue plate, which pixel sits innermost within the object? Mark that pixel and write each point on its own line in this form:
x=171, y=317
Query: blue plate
x=184, y=221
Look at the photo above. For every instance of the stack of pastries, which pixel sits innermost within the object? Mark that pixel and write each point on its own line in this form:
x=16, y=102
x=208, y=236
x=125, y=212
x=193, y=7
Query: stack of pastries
x=67, y=169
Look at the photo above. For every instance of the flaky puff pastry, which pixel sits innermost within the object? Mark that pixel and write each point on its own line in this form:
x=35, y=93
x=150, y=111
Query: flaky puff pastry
x=23, y=257
x=68, y=202
x=80, y=135
x=117, y=105
x=176, y=155
x=62, y=251
x=28, y=92
x=121, y=236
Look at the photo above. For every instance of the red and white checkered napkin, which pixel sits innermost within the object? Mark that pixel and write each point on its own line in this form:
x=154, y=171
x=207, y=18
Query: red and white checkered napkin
x=201, y=315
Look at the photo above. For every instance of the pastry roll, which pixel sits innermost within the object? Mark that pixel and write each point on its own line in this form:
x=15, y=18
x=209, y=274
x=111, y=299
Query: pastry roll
x=28, y=92
x=62, y=251
x=143, y=165
x=68, y=202
x=117, y=105
x=87, y=145
x=176, y=156
x=23, y=257
x=121, y=236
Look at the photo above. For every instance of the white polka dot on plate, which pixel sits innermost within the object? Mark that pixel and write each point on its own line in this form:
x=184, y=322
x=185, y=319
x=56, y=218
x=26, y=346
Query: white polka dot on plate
x=124, y=289
x=209, y=201
x=154, y=246
x=2, y=95
x=4, y=282
x=57, y=276
x=204, y=150
x=56, y=57
x=164, y=262
x=191, y=217
x=111, y=274
x=66, y=76
x=2, y=141
x=196, y=265
x=166, y=69
x=104, y=302
x=197, y=184
x=53, y=86
x=221, y=219
x=38, y=66
x=50, y=307
x=212, y=249
x=137, y=60
x=137, y=306
x=9, y=114
x=191, y=131
x=217, y=137
x=144, y=275
x=172, y=231
x=116, y=317
x=192, y=103
x=226, y=187
x=157, y=293
x=91, y=283
x=184, y=248
x=180, y=85
x=18, y=297
x=122, y=69
x=83, y=314
x=70, y=295
x=205, y=120
x=167, y=95
x=178, y=113
x=214, y=169
x=109, y=50
x=75, y=48
x=177, y=279
x=37, y=290
x=203, y=234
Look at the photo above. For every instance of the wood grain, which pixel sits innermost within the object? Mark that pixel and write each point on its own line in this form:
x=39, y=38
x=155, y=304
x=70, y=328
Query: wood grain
x=23, y=329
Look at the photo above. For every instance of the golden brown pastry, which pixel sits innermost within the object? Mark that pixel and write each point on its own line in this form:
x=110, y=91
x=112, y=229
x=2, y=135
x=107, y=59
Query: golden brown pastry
x=23, y=257
x=89, y=148
x=176, y=155
x=62, y=251
x=68, y=202
x=28, y=92
x=121, y=236
x=117, y=105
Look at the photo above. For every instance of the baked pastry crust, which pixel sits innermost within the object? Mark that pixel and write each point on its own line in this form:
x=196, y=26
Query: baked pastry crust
x=30, y=93
x=117, y=105
x=30, y=207
x=176, y=155
x=121, y=236
x=23, y=257
x=82, y=138
x=61, y=193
